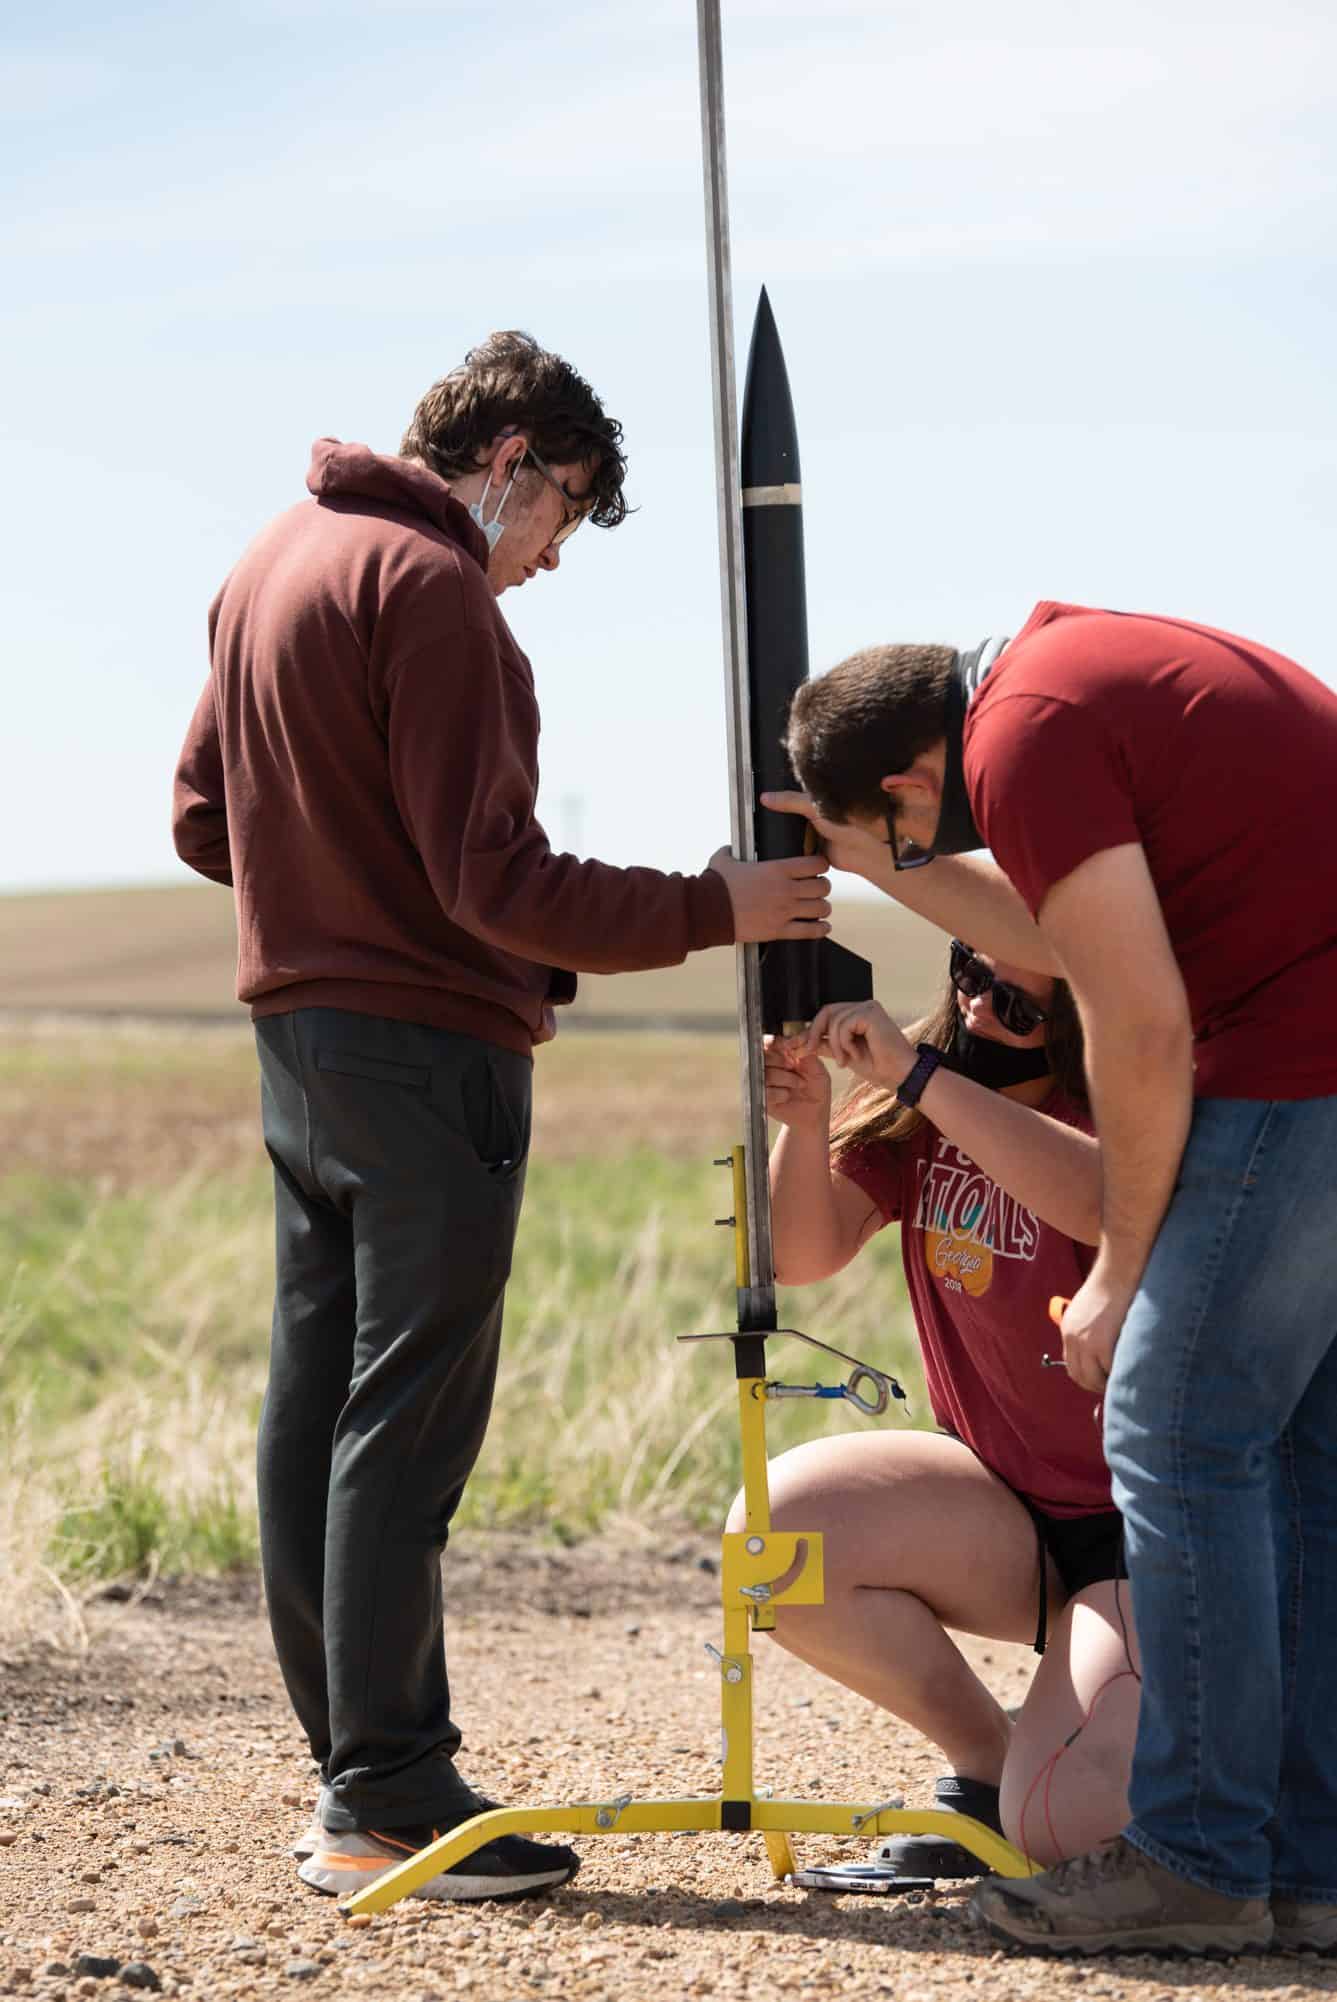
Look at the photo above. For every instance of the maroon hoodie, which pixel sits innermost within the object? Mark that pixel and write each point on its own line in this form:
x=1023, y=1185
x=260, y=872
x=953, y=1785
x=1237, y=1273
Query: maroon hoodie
x=362, y=768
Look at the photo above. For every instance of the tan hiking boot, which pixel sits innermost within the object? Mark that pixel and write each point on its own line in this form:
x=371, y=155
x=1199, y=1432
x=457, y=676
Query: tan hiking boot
x=1116, y=1900
x=1302, y=1927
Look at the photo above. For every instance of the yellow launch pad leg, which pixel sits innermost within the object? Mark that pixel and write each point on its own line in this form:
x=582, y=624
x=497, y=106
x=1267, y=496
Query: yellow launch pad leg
x=776, y=1820
x=623, y=1817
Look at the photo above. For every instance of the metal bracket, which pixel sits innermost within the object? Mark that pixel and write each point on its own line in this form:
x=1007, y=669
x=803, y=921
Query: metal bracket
x=785, y=1571
x=606, y=1817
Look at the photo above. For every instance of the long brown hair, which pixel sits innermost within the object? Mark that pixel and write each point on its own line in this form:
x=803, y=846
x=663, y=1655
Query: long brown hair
x=870, y=1111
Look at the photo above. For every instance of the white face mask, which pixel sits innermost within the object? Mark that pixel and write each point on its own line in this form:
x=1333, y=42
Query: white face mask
x=493, y=530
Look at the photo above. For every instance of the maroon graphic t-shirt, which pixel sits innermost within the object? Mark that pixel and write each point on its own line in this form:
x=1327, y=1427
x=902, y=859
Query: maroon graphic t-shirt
x=982, y=1269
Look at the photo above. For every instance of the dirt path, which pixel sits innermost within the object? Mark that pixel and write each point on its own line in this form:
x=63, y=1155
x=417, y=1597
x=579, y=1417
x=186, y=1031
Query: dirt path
x=149, y=1789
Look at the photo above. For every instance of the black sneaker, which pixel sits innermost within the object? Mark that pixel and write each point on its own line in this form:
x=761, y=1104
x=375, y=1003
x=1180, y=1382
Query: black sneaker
x=510, y=1866
x=934, y=1855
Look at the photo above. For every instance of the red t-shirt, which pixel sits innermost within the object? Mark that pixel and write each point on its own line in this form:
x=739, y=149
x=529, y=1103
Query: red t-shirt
x=981, y=1271
x=1220, y=757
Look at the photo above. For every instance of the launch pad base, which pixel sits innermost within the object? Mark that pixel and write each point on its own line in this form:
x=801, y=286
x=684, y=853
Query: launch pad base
x=774, y=1820
x=761, y=1568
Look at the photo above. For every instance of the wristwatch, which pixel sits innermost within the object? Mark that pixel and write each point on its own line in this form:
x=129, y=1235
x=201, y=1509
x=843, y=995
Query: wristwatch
x=910, y=1089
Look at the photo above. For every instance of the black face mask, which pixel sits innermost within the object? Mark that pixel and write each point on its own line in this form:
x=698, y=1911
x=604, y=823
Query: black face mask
x=994, y=1064
x=957, y=833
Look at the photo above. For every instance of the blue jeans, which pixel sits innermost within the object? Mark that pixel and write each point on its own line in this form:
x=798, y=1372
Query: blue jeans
x=1221, y=1433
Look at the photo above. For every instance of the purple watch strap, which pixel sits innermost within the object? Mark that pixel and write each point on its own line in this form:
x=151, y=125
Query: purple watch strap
x=909, y=1090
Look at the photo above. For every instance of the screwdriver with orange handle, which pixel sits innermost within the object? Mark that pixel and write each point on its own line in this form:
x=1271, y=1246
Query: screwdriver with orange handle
x=1058, y=1307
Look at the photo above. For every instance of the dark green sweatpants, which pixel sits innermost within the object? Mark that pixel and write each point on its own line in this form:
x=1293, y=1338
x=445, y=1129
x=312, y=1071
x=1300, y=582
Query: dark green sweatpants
x=399, y=1159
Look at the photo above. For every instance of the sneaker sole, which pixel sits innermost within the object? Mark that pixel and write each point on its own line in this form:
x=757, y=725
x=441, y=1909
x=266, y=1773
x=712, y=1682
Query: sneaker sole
x=945, y=1861
x=1299, y=1940
x=453, y=1887
x=1208, y=1941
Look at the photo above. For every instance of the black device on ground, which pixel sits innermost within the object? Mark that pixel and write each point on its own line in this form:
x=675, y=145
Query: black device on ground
x=860, y=1880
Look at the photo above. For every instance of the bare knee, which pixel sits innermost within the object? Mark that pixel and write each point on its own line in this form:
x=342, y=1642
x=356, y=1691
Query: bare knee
x=1068, y=1805
x=793, y=1496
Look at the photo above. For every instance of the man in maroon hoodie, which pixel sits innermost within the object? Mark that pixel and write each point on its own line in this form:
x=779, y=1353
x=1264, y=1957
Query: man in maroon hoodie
x=362, y=769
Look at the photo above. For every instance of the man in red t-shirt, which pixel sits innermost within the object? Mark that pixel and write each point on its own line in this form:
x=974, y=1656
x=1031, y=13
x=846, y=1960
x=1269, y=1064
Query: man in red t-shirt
x=1157, y=795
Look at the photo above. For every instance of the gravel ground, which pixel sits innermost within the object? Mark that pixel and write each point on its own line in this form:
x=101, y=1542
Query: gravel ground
x=148, y=1789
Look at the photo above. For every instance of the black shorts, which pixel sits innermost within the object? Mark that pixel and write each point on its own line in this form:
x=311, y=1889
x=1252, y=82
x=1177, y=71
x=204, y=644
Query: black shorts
x=1086, y=1549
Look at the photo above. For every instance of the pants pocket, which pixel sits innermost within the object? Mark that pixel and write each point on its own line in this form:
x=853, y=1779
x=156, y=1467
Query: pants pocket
x=380, y=1070
x=494, y=1100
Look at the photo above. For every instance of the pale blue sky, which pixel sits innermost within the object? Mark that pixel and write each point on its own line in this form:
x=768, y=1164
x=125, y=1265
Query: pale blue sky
x=1055, y=284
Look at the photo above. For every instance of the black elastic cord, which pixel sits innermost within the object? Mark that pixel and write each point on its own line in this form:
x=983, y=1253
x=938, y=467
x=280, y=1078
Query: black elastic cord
x=1119, y=1577
x=1042, y=1618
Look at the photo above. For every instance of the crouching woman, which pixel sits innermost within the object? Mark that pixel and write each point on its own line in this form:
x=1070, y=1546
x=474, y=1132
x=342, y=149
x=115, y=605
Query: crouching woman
x=978, y=1146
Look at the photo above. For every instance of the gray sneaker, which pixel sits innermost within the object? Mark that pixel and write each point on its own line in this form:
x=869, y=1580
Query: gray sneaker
x=310, y=1839
x=1302, y=1927
x=313, y=1835
x=1116, y=1900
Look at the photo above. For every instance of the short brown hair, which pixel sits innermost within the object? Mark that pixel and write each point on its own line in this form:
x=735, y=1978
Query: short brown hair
x=872, y=715
x=508, y=379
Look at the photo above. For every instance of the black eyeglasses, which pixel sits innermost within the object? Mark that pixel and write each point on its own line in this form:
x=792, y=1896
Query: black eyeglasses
x=1015, y=1009
x=904, y=854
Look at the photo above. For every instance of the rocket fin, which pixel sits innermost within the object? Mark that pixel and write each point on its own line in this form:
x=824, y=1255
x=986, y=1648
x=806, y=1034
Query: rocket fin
x=842, y=975
x=826, y=972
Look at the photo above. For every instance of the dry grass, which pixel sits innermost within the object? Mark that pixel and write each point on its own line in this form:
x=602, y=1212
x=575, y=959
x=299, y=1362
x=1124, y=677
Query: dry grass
x=173, y=950
x=134, y=1104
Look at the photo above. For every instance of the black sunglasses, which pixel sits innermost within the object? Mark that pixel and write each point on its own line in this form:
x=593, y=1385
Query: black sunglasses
x=1017, y=1012
x=905, y=854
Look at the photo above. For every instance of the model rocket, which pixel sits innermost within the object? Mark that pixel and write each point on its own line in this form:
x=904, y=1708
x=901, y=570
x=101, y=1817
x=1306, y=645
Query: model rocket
x=796, y=978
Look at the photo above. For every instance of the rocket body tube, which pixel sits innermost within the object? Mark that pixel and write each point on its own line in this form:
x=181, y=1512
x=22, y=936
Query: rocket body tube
x=796, y=978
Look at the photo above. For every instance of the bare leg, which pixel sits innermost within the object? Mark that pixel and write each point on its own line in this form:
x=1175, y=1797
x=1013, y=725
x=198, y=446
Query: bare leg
x=1058, y=1799
x=918, y=1536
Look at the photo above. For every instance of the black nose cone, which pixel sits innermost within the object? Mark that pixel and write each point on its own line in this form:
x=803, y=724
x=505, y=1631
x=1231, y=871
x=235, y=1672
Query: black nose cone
x=770, y=435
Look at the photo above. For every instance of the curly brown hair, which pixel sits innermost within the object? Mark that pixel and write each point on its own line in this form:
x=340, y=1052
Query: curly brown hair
x=508, y=380
x=870, y=1112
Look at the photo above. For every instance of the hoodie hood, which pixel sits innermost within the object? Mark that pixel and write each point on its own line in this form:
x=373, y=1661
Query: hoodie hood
x=341, y=472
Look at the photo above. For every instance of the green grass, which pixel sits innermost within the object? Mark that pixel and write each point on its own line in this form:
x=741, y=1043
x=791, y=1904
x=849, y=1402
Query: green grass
x=134, y=1324
x=133, y=1526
